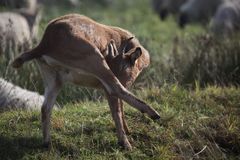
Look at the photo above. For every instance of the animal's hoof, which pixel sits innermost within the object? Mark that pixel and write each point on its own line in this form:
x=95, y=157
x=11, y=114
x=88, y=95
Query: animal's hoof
x=126, y=145
x=155, y=117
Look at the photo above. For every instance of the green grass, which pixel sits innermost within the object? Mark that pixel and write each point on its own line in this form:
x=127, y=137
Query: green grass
x=196, y=123
x=191, y=121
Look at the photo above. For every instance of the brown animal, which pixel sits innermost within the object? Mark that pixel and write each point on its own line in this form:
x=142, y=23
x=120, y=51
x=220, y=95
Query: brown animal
x=76, y=49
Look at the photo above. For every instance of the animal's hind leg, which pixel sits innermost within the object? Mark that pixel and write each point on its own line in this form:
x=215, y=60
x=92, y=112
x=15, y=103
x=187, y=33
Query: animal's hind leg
x=53, y=85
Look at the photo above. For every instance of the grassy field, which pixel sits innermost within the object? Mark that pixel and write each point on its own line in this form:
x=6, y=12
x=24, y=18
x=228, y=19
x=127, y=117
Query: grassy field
x=200, y=115
x=200, y=124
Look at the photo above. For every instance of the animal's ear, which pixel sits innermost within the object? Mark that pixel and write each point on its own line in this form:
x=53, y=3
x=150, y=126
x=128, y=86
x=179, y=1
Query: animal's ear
x=135, y=55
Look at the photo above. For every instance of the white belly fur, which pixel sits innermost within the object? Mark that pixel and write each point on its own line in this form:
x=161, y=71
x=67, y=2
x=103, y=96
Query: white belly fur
x=73, y=75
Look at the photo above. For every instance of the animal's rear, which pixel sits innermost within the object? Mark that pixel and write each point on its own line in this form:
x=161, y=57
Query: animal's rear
x=36, y=52
x=26, y=56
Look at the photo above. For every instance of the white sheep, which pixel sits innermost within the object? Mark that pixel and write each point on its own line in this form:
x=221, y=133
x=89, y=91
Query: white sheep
x=17, y=31
x=14, y=34
x=12, y=96
x=227, y=18
x=198, y=11
x=166, y=7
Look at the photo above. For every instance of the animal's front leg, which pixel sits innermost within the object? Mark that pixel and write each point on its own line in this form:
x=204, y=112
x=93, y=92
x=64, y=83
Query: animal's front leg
x=126, y=128
x=116, y=111
x=113, y=86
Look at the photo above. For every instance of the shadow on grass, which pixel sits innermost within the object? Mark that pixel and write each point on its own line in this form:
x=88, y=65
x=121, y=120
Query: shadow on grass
x=18, y=147
x=22, y=147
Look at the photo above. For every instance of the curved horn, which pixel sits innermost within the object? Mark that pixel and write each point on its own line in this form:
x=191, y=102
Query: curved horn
x=114, y=48
x=126, y=44
x=111, y=50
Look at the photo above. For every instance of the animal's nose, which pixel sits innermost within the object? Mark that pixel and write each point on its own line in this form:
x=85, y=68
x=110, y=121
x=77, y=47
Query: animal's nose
x=183, y=20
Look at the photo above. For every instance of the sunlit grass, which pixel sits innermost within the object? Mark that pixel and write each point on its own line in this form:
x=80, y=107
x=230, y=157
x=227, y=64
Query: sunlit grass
x=191, y=121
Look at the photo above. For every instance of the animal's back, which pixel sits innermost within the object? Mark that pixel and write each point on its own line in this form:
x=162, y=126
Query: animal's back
x=75, y=37
x=227, y=18
x=71, y=29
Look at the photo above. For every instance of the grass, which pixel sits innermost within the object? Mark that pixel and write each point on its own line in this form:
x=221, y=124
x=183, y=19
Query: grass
x=207, y=59
x=197, y=123
x=204, y=119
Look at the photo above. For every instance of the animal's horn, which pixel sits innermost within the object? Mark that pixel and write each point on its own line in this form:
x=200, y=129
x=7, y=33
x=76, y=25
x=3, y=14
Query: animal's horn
x=126, y=44
x=114, y=48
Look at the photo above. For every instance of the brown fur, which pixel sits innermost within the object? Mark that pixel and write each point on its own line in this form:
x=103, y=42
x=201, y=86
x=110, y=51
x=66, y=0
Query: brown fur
x=77, y=49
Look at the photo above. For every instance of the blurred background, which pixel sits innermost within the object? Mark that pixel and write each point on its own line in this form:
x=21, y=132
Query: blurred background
x=187, y=41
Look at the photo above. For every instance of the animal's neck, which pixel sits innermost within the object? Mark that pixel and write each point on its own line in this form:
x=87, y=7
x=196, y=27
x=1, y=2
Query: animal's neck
x=121, y=37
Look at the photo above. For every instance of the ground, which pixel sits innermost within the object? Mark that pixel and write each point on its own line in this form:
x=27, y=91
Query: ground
x=200, y=124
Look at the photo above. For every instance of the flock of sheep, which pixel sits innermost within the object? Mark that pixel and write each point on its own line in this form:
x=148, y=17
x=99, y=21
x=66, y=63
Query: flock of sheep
x=223, y=16
x=18, y=30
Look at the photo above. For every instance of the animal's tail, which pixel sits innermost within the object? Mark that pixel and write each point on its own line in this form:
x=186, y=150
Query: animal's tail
x=26, y=56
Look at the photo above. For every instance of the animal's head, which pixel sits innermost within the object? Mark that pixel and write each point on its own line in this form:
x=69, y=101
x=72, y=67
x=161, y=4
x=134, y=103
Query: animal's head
x=160, y=7
x=129, y=62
